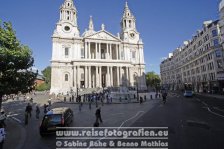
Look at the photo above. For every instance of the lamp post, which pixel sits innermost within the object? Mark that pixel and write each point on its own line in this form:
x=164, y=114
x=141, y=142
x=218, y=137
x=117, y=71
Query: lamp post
x=136, y=80
x=77, y=90
x=137, y=92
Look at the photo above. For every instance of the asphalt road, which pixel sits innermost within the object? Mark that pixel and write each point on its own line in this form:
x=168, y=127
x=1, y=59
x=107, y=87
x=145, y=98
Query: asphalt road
x=192, y=122
x=113, y=115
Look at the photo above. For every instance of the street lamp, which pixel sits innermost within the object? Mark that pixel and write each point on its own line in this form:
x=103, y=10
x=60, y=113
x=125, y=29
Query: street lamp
x=137, y=91
x=136, y=79
x=77, y=90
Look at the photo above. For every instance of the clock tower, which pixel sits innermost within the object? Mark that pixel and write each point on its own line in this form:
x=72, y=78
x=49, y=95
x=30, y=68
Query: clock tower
x=128, y=27
x=67, y=25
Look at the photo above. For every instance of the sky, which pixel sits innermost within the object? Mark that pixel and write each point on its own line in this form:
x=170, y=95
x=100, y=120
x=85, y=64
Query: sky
x=163, y=24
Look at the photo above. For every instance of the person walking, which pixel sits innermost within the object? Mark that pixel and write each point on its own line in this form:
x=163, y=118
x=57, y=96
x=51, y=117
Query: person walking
x=141, y=100
x=37, y=112
x=98, y=115
x=164, y=95
x=49, y=101
x=45, y=109
x=3, y=117
x=29, y=109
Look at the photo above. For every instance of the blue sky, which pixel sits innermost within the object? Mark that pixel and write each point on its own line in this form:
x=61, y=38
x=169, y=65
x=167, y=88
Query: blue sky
x=163, y=24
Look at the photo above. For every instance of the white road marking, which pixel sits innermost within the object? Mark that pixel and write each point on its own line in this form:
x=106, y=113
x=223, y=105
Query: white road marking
x=215, y=113
x=131, y=118
x=209, y=108
x=219, y=109
x=11, y=115
x=16, y=119
x=121, y=124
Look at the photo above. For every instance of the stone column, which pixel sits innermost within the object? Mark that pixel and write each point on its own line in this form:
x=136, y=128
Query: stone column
x=86, y=82
x=100, y=77
x=99, y=54
x=118, y=77
x=97, y=77
x=77, y=77
x=131, y=77
x=110, y=52
x=116, y=52
x=111, y=74
x=90, y=77
x=89, y=51
x=86, y=50
x=96, y=51
x=74, y=77
x=107, y=77
x=127, y=76
x=107, y=52
x=120, y=68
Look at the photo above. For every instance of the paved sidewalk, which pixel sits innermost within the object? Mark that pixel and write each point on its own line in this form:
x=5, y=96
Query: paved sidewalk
x=15, y=135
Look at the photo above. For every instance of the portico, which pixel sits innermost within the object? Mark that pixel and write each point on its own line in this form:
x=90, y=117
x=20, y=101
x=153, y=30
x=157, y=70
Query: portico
x=100, y=76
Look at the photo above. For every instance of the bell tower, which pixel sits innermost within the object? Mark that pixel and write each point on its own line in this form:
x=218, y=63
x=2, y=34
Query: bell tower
x=67, y=25
x=128, y=26
x=68, y=12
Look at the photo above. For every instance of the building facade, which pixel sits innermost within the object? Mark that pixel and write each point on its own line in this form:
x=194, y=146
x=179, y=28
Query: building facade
x=221, y=25
x=198, y=63
x=95, y=59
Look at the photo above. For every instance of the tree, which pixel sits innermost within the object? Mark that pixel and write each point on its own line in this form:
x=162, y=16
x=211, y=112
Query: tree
x=16, y=61
x=47, y=84
x=47, y=74
x=152, y=79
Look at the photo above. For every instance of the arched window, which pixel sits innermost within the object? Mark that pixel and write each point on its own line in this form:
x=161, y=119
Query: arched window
x=66, y=77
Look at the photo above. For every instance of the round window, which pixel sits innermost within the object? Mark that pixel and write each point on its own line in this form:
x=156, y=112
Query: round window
x=67, y=28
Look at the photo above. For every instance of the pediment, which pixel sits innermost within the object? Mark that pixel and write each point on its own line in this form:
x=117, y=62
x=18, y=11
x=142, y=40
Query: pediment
x=103, y=35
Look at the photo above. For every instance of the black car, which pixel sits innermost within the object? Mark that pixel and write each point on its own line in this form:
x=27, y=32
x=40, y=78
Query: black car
x=57, y=117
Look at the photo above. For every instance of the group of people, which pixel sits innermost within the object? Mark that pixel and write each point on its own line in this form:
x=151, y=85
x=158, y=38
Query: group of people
x=29, y=109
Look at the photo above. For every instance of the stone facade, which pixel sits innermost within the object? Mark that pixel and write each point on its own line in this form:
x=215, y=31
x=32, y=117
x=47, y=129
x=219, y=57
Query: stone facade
x=95, y=59
x=198, y=63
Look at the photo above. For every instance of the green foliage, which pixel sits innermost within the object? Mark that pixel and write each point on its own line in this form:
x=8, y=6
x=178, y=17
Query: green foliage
x=43, y=87
x=15, y=63
x=152, y=79
x=47, y=74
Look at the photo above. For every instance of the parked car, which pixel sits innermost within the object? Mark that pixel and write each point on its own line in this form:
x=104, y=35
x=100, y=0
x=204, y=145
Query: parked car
x=57, y=117
x=188, y=93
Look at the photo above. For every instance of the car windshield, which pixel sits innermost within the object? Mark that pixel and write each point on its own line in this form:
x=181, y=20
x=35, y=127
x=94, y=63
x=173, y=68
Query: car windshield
x=51, y=120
